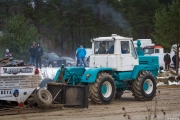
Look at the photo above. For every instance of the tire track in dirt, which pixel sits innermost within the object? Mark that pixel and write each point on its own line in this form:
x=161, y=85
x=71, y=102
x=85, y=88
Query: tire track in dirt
x=166, y=104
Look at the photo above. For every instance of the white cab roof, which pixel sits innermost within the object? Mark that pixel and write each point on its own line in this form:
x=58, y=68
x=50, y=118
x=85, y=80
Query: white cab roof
x=111, y=38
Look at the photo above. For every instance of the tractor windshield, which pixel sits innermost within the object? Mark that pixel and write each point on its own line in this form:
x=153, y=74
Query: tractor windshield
x=104, y=47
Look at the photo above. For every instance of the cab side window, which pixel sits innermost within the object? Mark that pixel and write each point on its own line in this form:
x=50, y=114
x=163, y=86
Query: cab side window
x=156, y=50
x=104, y=47
x=125, y=47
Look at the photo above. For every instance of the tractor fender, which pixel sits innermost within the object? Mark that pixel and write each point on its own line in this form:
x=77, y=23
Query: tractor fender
x=137, y=68
x=90, y=74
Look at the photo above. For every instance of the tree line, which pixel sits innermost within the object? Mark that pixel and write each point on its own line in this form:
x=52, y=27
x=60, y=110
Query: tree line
x=61, y=25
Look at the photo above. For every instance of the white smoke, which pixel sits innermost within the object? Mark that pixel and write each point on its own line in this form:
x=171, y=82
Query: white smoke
x=112, y=16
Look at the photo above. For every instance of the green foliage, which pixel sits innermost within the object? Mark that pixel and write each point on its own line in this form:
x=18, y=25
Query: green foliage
x=167, y=27
x=18, y=36
x=63, y=24
x=167, y=24
x=139, y=14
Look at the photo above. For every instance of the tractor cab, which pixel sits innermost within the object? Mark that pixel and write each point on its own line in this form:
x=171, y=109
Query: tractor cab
x=115, y=52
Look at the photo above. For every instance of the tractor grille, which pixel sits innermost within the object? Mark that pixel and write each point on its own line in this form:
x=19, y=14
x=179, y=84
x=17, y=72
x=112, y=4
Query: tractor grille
x=143, y=62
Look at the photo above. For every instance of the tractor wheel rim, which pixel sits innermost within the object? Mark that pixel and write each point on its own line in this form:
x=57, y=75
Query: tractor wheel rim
x=106, y=89
x=148, y=86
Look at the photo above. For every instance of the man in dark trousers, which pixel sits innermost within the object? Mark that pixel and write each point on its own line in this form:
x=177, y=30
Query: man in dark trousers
x=38, y=54
x=174, y=61
x=32, y=51
x=167, y=60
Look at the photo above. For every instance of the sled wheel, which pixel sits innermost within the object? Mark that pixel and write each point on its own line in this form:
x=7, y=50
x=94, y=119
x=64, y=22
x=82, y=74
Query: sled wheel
x=144, y=87
x=43, y=97
x=44, y=82
x=102, y=91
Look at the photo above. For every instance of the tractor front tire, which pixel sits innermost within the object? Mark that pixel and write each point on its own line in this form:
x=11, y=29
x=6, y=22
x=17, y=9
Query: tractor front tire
x=102, y=91
x=144, y=87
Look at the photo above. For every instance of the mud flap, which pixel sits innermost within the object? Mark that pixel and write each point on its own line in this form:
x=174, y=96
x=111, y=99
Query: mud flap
x=69, y=95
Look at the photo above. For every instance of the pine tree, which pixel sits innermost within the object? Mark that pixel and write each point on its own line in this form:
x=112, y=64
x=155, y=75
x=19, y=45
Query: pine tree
x=167, y=27
x=18, y=36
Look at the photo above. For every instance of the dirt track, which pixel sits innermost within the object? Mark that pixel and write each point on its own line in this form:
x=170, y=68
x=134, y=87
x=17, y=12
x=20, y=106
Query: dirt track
x=165, y=106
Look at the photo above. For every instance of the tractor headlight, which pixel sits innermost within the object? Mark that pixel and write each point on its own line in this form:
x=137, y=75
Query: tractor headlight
x=87, y=76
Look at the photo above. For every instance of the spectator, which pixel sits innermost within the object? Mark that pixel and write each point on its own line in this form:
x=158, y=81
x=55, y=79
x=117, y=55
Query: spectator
x=111, y=50
x=7, y=54
x=38, y=54
x=167, y=61
x=102, y=49
x=174, y=61
x=32, y=51
x=81, y=52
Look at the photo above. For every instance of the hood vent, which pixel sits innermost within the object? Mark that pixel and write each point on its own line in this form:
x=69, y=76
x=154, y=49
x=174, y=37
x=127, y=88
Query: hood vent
x=143, y=62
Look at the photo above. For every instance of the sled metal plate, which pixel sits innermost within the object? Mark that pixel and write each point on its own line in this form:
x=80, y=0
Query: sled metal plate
x=76, y=96
x=69, y=95
x=14, y=82
x=54, y=89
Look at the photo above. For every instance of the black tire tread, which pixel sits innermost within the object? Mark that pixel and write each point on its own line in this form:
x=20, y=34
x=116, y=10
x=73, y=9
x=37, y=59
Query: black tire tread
x=136, y=88
x=93, y=88
x=119, y=93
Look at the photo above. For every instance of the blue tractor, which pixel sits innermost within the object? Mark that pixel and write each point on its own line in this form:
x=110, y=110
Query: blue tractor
x=115, y=66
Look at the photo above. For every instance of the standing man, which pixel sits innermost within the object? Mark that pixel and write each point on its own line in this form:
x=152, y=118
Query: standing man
x=174, y=60
x=38, y=54
x=81, y=52
x=32, y=51
x=167, y=60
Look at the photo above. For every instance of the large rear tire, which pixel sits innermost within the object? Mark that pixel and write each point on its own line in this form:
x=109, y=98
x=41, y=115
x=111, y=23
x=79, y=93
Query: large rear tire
x=102, y=91
x=144, y=87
